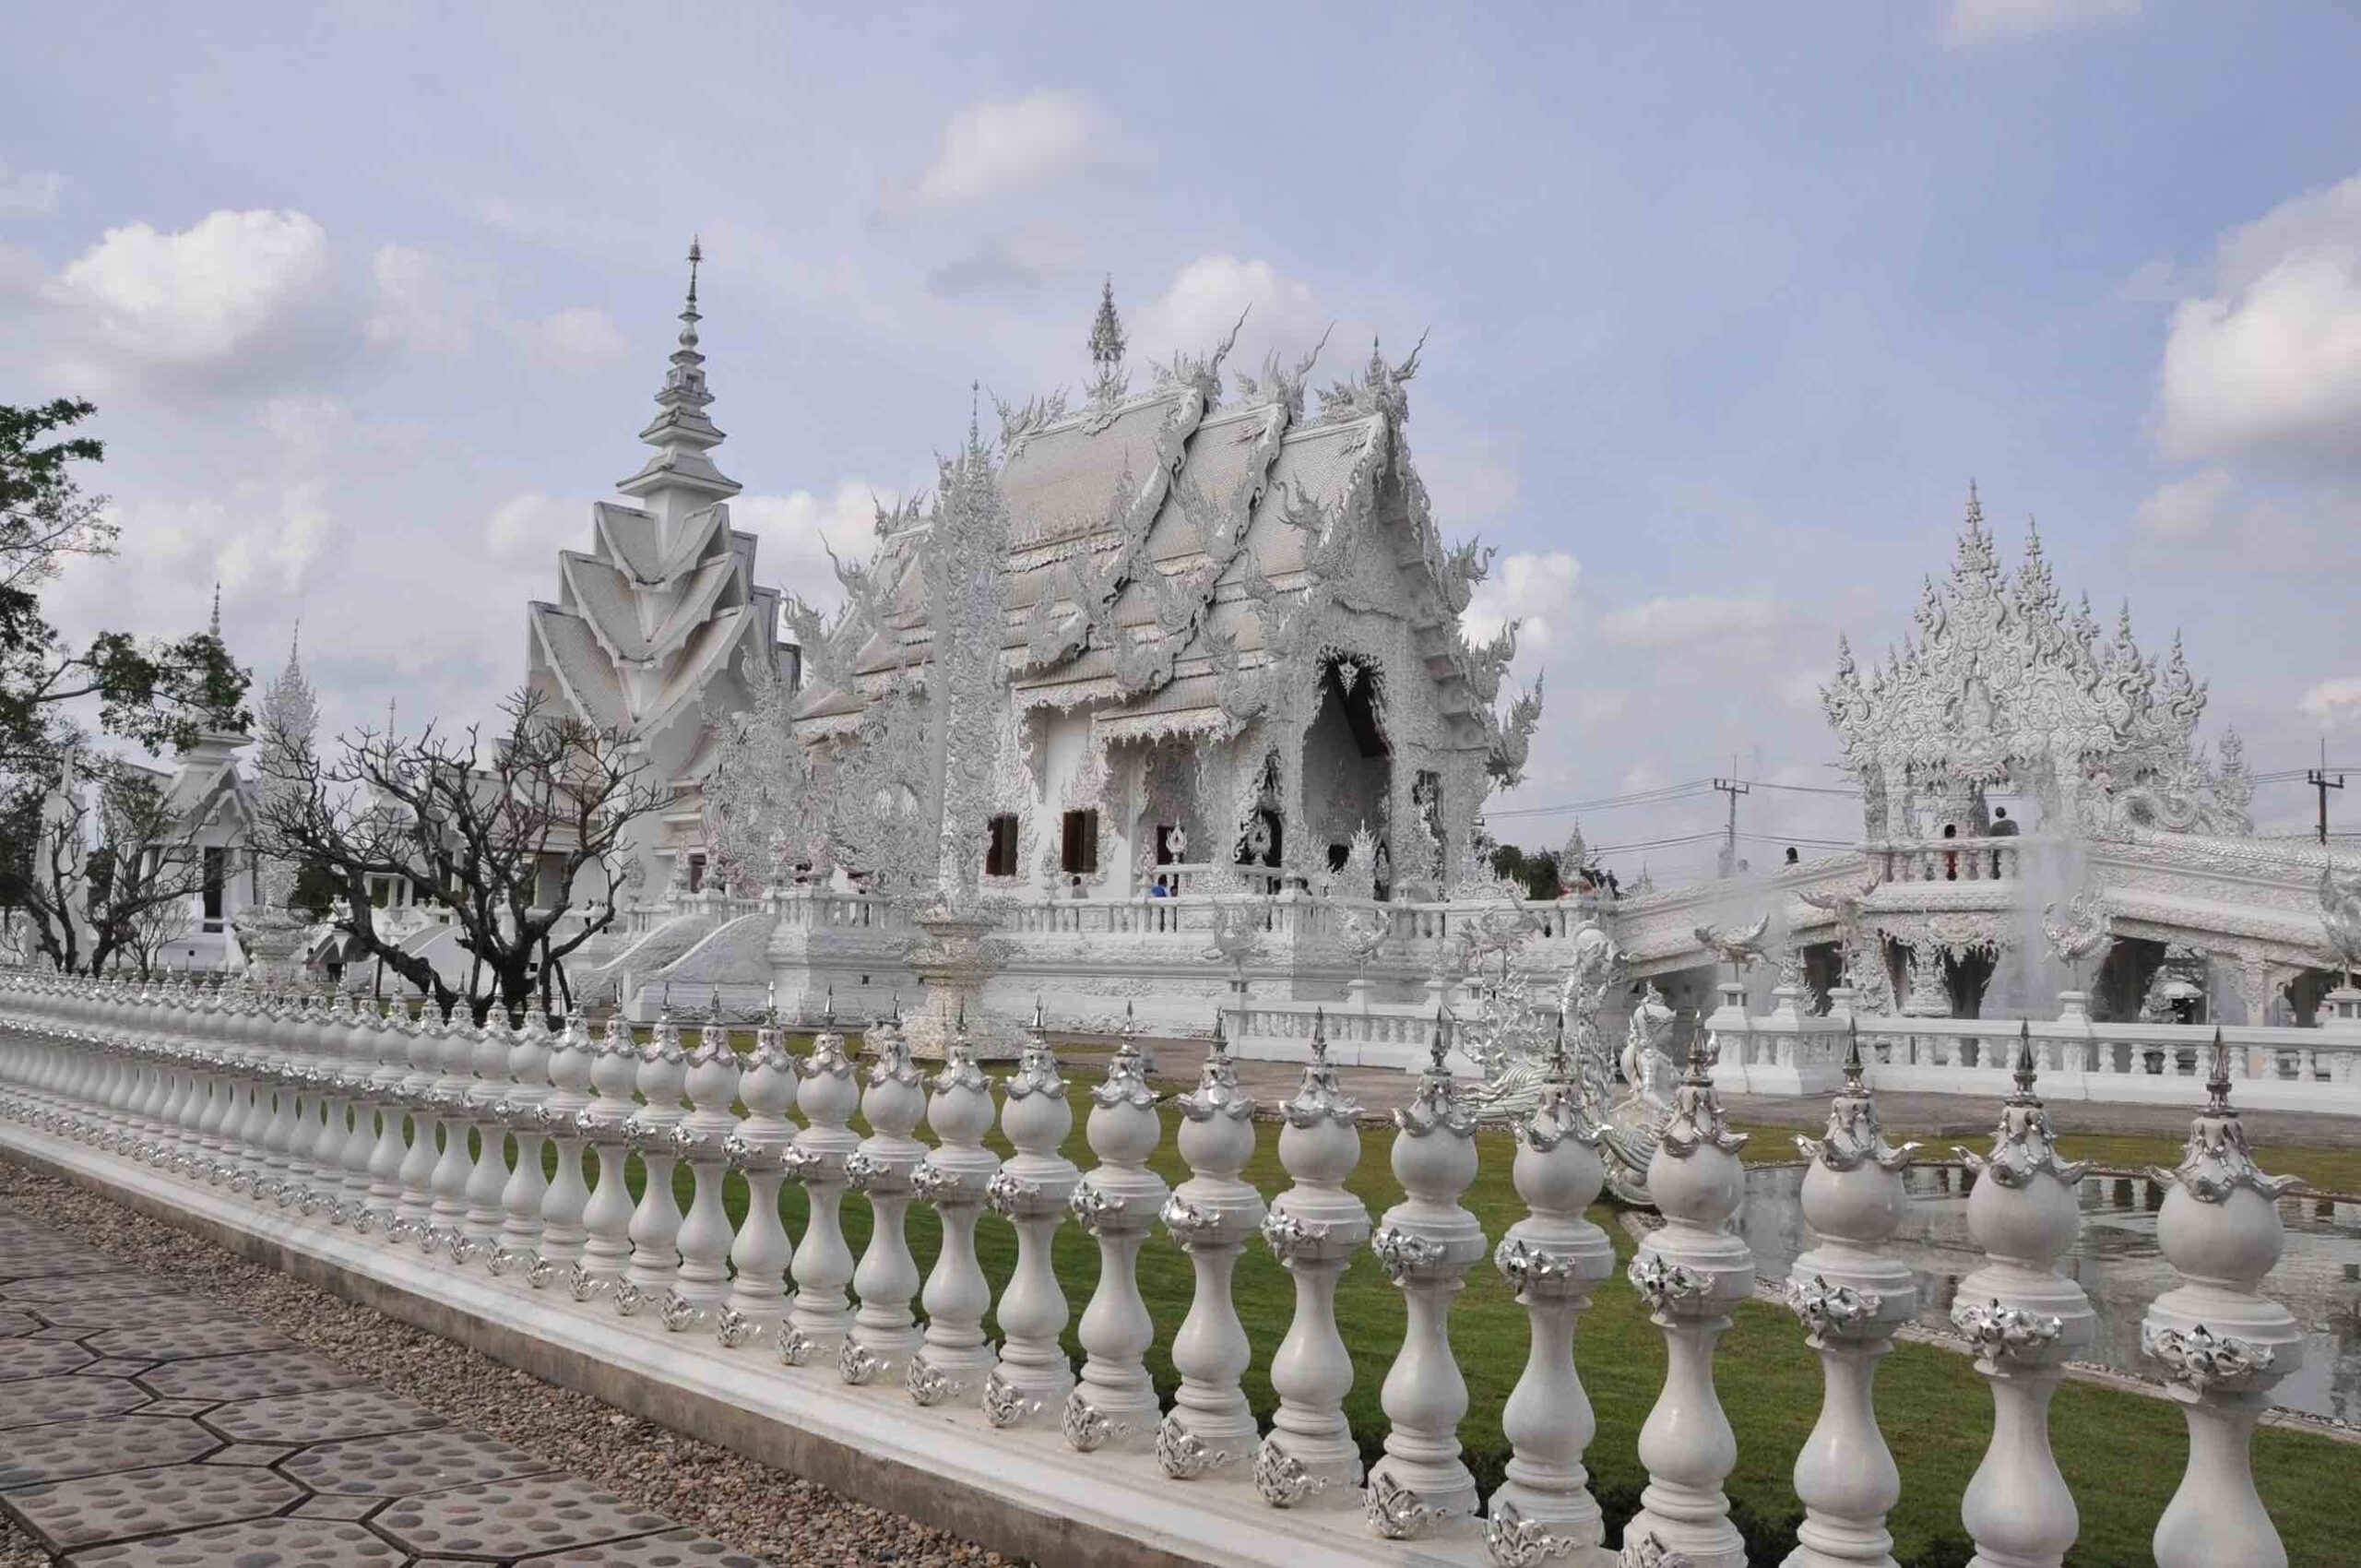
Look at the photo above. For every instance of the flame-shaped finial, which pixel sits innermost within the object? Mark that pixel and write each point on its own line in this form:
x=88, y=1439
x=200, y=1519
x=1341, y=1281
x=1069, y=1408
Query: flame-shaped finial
x=828, y=1010
x=1561, y=1067
x=1437, y=1049
x=1320, y=1037
x=689, y=317
x=1853, y=1068
x=2217, y=1086
x=770, y=1004
x=2025, y=1070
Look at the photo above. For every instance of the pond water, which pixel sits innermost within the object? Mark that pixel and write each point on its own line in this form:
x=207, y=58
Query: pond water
x=2116, y=1262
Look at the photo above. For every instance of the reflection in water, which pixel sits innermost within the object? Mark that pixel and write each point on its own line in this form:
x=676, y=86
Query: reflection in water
x=2117, y=1261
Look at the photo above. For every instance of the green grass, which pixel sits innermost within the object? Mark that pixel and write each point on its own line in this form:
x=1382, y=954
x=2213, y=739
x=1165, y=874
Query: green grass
x=2122, y=1453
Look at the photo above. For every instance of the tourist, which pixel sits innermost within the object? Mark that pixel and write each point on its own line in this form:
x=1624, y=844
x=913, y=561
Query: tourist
x=2002, y=827
x=1792, y=857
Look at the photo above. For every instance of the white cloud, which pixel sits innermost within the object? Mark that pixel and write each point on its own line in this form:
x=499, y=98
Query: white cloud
x=2269, y=363
x=1976, y=21
x=1008, y=263
x=1669, y=623
x=1534, y=589
x=1208, y=296
x=798, y=530
x=990, y=149
x=1468, y=482
x=421, y=302
x=2333, y=703
x=2185, y=508
x=28, y=193
x=202, y=297
x=529, y=529
x=569, y=340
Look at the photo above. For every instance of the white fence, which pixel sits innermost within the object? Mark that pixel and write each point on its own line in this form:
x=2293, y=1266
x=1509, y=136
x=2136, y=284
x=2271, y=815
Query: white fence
x=381, y=1147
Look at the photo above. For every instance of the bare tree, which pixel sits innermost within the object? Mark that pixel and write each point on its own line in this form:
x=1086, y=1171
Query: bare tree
x=86, y=903
x=522, y=840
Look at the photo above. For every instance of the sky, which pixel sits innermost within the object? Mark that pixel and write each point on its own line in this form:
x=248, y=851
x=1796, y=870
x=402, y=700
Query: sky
x=1723, y=308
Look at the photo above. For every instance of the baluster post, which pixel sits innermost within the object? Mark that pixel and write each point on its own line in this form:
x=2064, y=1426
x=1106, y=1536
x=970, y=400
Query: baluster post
x=821, y=1317
x=517, y=1243
x=448, y=1213
x=488, y=1178
x=1693, y=1273
x=1426, y=1244
x=655, y=1224
x=885, y=1331
x=606, y=1219
x=1554, y=1259
x=1210, y=1430
x=1113, y=1404
x=766, y=1086
x=1312, y=1229
x=356, y=1053
x=563, y=1200
x=2024, y=1321
x=2223, y=1345
x=697, y=1291
x=956, y=1358
x=1850, y=1295
x=423, y=1051
x=1030, y=1192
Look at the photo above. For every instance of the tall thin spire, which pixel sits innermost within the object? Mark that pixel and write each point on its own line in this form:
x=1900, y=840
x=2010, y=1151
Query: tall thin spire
x=1108, y=383
x=215, y=625
x=681, y=433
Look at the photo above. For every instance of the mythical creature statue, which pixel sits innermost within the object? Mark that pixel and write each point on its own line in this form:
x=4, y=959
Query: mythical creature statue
x=1635, y=1122
x=2077, y=932
x=1739, y=946
x=1516, y=1045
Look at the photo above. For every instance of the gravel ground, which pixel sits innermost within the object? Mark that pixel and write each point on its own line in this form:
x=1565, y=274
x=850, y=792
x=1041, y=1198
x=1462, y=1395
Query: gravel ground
x=752, y=1507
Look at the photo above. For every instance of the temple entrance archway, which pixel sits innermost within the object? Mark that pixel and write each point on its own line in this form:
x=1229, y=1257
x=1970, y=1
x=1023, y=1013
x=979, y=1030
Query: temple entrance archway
x=1347, y=762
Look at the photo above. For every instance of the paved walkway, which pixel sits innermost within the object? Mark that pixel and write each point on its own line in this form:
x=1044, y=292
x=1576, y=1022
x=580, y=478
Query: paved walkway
x=145, y=1427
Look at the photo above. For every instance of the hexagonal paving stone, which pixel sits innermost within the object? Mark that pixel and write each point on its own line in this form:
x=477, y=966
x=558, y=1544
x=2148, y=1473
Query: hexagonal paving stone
x=402, y=1464
x=40, y=1358
x=179, y=1341
x=109, y=1311
x=112, y=1366
x=140, y=1503
x=38, y=1400
x=255, y=1376
x=48, y=1261
x=90, y=1448
x=673, y=1548
x=15, y=1324
x=280, y=1543
x=511, y=1518
x=321, y=1416
x=66, y=1285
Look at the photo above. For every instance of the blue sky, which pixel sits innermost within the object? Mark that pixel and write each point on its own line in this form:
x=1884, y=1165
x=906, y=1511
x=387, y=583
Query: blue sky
x=1726, y=305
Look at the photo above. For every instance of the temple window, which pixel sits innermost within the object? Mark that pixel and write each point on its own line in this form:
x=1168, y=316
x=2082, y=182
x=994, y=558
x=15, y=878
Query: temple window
x=1079, y=852
x=1000, y=846
x=216, y=863
x=696, y=874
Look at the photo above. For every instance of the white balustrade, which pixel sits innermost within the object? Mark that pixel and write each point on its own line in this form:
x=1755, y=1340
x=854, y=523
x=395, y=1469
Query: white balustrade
x=1113, y=1404
x=829, y=1092
x=884, y=1330
x=2221, y=1344
x=1554, y=1259
x=954, y=1359
x=758, y=1257
x=488, y=1127
x=2025, y=1320
x=1210, y=1429
x=1426, y=1243
x=516, y=1245
x=1851, y=1294
x=448, y=1099
x=697, y=1291
x=557, y=1242
x=415, y=1174
x=1030, y=1192
x=1314, y=1229
x=1692, y=1272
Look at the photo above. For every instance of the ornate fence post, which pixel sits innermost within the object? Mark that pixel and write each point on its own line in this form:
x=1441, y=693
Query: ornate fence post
x=1554, y=1259
x=1030, y=1192
x=1114, y=1404
x=488, y=1177
x=818, y=1322
x=956, y=1358
x=1692, y=1272
x=559, y=1247
x=2024, y=1320
x=758, y=1294
x=520, y=1111
x=1312, y=1229
x=695, y=1297
x=885, y=1331
x=2221, y=1344
x=351, y=1047
x=1426, y=1244
x=606, y=1219
x=1851, y=1297
x=655, y=1224
x=413, y=1210
x=449, y=1101
x=1210, y=1429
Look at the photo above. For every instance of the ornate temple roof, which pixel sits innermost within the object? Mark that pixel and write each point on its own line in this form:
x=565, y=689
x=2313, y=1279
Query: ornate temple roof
x=2003, y=682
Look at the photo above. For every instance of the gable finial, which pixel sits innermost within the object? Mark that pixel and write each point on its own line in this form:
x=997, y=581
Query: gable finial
x=1108, y=383
x=214, y=627
x=689, y=317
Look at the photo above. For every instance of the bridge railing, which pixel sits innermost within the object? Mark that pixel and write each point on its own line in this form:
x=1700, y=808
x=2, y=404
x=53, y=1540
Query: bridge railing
x=415, y=1148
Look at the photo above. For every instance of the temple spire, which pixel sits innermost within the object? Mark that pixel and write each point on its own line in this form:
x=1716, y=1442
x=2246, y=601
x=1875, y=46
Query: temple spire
x=214, y=627
x=680, y=478
x=1109, y=383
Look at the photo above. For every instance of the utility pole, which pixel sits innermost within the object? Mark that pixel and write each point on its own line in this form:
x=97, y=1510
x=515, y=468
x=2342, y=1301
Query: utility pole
x=2321, y=783
x=1733, y=788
